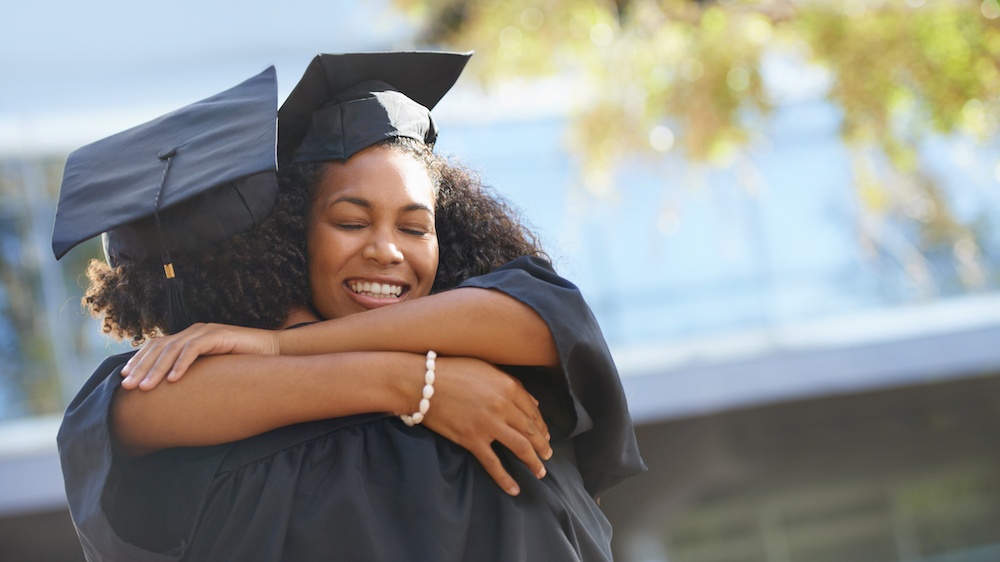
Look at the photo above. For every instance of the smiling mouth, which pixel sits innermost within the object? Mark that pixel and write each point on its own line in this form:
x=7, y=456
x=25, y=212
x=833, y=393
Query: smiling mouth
x=376, y=290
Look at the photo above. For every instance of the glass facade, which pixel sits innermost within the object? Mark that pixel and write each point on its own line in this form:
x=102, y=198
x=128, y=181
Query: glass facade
x=677, y=251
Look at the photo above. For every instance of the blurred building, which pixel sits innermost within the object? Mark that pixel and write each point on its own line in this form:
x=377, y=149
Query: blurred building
x=879, y=449
x=798, y=400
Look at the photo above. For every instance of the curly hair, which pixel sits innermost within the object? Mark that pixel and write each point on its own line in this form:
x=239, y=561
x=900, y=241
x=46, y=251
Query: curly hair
x=252, y=279
x=255, y=278
x=477, y=230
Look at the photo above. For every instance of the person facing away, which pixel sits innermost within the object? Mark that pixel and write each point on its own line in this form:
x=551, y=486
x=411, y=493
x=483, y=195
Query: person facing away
x=286, y=449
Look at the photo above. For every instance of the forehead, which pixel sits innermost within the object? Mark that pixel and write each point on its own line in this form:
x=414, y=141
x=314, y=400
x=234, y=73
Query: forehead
x=377, y=174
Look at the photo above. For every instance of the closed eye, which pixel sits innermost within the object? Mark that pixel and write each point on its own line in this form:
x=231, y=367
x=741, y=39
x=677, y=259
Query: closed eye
x=415, y=230
x=350, y=226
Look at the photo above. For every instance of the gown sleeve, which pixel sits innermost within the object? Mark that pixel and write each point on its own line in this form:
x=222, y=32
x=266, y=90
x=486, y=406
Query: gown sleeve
x=593, y=401
x=138, y=509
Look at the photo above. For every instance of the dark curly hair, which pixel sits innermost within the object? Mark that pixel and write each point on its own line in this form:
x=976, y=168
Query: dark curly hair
x=255, y=278
x=252, y=279
x=477, y=230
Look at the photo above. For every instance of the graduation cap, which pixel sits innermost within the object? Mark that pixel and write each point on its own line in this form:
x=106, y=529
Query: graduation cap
x=346, y=102
x=183, y=182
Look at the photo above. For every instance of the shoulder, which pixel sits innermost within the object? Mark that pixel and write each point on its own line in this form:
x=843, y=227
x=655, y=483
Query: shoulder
x=525, y=269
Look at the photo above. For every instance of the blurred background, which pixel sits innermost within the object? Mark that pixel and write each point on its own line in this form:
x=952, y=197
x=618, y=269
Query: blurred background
x=783, y=213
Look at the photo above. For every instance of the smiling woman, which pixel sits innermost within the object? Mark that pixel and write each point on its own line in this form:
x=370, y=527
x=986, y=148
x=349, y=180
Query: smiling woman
x=372, y=240
x=299, y=444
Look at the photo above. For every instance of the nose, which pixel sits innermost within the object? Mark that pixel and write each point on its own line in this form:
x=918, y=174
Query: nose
x=382, y=248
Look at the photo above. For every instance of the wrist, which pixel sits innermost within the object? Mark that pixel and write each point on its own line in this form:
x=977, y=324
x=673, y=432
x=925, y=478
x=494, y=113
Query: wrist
x=281, y=343
x=275, y=342
x=426, y=392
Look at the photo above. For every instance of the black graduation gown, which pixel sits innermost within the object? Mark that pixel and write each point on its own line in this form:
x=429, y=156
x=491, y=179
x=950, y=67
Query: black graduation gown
x=367, y=487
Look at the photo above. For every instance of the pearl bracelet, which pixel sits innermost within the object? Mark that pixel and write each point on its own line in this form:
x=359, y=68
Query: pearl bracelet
x=425, y=401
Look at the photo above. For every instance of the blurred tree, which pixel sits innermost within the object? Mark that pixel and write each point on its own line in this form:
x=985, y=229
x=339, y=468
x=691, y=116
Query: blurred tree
x=661, y=73
x=41, y=321
x=28, y=380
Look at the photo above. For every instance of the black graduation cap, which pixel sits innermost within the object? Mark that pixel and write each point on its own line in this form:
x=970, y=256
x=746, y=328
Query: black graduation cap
x=346, y=102
x=184, y=181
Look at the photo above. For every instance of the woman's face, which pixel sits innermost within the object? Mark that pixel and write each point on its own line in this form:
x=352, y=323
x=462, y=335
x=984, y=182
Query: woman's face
x=371, y=240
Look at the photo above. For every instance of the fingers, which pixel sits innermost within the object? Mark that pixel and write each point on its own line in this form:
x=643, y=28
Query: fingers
x=495, y=469
x=536, y=438
x=526, y=418
x=532, y=425
x=161, y=357
x=135, y=360
x=150, y=369
x=520, y=429
x=128, y=381
x=477, y=404
x=524, y=450
x=146, y=371
x=162, y=365
x=135, y=369
x=184, y=360
x=170, y=356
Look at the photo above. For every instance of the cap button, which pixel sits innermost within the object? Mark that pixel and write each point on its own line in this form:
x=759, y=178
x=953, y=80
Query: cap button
x=167, y=153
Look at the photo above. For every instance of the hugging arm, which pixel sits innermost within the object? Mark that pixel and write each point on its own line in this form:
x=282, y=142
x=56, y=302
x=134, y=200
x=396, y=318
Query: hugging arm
x=466, y=321
x=232, y=397
x=593, y=400
x=471, y=322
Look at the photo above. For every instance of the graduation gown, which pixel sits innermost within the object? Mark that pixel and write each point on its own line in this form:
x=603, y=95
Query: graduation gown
x=367, y=487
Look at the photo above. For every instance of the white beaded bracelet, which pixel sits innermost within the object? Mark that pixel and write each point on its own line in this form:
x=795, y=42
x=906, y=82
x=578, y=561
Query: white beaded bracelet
x=425, y=401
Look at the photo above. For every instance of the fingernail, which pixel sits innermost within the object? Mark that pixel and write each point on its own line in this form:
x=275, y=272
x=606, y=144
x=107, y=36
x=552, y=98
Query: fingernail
x=548, y=454
x=126, y=380
x=548, y=437
x=513, y=490
x=541, y=473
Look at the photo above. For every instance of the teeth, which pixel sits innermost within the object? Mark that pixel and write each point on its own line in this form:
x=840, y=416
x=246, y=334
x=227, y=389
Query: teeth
x=376, y=290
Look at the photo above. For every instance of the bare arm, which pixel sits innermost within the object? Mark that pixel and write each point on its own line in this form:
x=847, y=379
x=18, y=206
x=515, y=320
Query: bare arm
x=472, y=322
x=469, y=322
x=233, y=397
x=227, y=398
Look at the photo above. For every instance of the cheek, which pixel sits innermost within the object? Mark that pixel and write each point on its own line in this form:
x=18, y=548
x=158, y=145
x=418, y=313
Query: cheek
x=313, y=245
x=435, y=256
x=428, y=263
x=324, y=252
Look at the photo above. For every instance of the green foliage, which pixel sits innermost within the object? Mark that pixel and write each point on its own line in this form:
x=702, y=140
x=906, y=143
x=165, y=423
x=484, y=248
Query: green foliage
x=682, y=74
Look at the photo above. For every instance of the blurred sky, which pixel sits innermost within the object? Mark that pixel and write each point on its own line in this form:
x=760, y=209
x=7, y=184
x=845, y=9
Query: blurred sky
x=72, y=72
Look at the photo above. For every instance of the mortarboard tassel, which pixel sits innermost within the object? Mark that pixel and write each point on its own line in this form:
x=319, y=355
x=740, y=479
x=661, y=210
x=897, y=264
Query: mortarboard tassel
x=178, y=315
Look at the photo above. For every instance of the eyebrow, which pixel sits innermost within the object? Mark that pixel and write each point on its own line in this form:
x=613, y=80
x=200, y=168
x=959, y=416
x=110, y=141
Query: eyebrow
x=360, y=202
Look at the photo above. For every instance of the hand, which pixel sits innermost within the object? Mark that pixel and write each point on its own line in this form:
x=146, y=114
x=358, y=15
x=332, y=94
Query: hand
x=171, y=355
x=475, y=404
